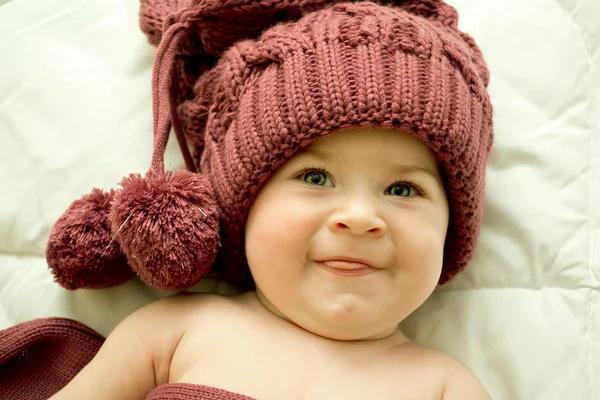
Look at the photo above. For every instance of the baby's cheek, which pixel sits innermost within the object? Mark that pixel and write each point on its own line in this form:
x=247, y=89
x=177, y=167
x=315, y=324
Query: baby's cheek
x=428, y=249
x=426, y=266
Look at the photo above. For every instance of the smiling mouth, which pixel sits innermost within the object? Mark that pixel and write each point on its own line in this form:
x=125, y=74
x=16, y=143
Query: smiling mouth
x=347, y=268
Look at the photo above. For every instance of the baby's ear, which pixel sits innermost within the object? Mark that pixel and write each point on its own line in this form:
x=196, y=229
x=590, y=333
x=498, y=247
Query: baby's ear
x=81, y=250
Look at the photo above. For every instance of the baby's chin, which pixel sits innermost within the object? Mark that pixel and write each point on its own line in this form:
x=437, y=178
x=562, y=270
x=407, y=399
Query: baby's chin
x=343, y=318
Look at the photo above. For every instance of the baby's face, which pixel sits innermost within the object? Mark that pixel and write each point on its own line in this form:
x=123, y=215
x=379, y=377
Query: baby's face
x=365, y=194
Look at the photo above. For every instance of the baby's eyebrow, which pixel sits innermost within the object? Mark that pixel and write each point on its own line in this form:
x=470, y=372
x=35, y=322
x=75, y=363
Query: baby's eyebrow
x=407, y=169
x=318, y=154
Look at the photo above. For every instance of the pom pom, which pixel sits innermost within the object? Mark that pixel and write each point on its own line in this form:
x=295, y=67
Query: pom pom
x=81, y=252
x=168, y=226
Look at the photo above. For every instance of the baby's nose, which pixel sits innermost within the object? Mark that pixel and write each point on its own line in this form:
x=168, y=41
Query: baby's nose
x=358, y=218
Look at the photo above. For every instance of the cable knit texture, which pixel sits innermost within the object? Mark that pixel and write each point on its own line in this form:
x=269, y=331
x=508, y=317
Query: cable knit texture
x=39, y=357
x=351, y=64
x=187, y=391
x=247, y=84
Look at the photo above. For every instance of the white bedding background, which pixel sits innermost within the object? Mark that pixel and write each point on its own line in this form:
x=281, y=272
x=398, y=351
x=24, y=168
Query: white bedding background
x=75, y=114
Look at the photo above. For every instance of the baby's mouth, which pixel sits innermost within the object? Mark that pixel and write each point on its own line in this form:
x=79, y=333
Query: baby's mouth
x=347, y=268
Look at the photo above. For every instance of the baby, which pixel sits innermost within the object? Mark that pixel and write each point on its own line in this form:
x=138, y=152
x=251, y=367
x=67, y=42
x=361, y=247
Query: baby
x=342, y=154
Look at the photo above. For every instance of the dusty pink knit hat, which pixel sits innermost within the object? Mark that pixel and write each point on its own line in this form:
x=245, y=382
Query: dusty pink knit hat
x=248, y=84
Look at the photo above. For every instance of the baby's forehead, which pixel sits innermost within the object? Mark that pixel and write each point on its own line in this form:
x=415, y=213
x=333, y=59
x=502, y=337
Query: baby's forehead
x=374, y=143
x=365, y=135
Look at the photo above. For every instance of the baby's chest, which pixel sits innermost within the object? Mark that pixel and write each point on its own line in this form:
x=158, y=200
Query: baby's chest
x=279, y=371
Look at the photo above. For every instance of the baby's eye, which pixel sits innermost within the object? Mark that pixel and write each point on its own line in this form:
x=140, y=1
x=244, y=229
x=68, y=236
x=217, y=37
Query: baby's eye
x=315, y=177
x=402, y=190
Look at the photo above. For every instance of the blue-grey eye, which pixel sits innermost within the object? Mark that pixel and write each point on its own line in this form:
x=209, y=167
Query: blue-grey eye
x=315, y=177
x=401, y=190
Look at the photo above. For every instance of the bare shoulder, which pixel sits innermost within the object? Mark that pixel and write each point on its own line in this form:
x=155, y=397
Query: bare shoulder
x=136, y=355
x=452, y=380
x=459, y=382
x=186, y=308
x=176, y=313
x=183, y=312
x=164, y=323
x=214, y=324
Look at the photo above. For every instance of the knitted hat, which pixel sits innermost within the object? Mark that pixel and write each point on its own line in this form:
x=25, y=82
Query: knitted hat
x=247, y=84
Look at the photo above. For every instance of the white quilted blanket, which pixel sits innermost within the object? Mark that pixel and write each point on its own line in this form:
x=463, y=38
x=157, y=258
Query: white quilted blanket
x=75, y=114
